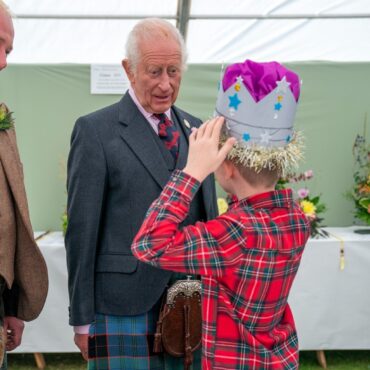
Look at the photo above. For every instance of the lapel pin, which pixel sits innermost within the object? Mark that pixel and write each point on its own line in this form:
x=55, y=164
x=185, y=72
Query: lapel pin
x=187, y=124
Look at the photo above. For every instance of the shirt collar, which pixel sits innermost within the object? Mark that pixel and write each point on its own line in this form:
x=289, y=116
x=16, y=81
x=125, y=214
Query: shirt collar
x=149, y=116
x=271, y=199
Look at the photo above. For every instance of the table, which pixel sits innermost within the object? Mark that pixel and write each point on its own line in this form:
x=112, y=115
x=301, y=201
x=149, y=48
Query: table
x=331, y=306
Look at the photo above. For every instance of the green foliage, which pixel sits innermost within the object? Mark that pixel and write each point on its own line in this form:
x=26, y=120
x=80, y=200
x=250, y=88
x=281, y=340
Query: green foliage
x=336, y=360
x=64, y=222
x=6, y=118
x=360, y=192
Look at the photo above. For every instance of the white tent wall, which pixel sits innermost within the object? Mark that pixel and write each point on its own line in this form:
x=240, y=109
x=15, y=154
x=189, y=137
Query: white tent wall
x=94, y=31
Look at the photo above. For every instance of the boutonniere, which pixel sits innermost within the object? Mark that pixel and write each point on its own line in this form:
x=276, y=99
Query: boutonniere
x=187, y=124
x=6, y=118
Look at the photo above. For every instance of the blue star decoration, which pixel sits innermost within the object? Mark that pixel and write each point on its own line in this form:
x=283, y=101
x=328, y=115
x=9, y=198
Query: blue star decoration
x=278, y=106
x=246, y=137
x=234, y=101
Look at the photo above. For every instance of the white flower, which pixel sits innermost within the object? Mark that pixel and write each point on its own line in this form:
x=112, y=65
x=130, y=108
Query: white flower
x=308, y=174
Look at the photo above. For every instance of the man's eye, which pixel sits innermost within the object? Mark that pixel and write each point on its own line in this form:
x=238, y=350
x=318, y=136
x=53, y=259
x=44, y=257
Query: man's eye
x=155, y=72
x=173, y=71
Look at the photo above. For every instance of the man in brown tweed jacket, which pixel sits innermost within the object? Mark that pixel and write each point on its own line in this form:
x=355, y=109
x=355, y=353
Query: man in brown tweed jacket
x=23, y=272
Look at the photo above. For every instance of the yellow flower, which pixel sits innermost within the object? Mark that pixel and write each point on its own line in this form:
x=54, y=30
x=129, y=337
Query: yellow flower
x=2, y=112
x=308, y=208
x=222, y=205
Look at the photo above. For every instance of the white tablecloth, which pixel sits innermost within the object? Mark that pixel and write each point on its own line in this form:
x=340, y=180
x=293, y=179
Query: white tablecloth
x=50, y=332
x=331, y=306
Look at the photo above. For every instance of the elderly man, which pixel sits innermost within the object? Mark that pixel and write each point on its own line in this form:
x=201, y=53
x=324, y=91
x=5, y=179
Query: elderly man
x=23, y=273
x=121, y=157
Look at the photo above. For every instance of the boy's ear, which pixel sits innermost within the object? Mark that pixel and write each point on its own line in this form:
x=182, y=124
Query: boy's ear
x=229, y=169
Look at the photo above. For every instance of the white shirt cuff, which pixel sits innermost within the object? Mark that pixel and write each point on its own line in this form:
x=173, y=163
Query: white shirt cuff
x=83, y=329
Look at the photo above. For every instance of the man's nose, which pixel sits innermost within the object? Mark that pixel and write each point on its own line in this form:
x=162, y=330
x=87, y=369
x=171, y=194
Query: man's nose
x=165, y=82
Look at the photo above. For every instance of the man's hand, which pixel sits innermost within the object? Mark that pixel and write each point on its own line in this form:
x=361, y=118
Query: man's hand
x=81, y=341
x=205, y=156
x=13, y=327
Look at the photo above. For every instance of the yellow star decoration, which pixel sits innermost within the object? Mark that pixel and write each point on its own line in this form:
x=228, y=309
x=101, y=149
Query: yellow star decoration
x=279, y=98
x=237, y=87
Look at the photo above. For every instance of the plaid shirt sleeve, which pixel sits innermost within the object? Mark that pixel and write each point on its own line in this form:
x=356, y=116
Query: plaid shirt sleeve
x=205, y=248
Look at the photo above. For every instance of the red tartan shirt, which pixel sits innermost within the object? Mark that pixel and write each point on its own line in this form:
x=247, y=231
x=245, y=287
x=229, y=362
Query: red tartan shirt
x=248, y=258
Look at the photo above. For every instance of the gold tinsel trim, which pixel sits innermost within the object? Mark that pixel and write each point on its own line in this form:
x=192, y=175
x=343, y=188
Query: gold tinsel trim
x=258, y=157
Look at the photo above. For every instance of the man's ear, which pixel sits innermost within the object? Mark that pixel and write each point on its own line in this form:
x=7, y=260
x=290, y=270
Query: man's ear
x=127, y=67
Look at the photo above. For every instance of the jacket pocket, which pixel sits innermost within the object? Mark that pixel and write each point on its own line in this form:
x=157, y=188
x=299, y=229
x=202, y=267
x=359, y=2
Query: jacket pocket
x=116, y=263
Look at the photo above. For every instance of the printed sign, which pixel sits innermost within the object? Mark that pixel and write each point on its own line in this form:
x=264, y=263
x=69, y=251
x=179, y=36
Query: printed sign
x=108, y=79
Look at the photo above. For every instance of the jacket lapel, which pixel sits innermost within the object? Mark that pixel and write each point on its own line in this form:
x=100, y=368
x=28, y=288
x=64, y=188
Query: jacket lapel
x=139, y=136
x=12, y=166
x=183, y=140
x=137, y=133
x=207, y=187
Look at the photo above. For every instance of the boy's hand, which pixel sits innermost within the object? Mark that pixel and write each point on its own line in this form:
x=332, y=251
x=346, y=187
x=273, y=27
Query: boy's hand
x=204, y=155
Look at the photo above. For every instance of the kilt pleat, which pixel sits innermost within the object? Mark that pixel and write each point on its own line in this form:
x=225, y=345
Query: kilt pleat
x=123, y=343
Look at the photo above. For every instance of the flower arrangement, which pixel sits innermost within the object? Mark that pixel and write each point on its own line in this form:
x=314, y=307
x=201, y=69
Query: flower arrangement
x=360, y=192
x=6, y=118
x=312, y=206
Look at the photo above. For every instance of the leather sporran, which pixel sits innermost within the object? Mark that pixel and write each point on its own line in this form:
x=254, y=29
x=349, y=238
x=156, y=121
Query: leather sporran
x=179, y=327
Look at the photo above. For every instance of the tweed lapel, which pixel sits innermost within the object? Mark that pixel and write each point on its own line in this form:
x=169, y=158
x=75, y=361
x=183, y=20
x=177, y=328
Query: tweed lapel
x=10, y=160
x=137, y=133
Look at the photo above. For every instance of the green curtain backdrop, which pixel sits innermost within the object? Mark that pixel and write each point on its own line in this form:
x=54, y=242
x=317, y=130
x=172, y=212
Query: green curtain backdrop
x=47, y=99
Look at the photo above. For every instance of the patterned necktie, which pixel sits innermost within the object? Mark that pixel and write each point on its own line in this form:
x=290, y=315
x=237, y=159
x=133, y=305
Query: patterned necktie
x=168, y=133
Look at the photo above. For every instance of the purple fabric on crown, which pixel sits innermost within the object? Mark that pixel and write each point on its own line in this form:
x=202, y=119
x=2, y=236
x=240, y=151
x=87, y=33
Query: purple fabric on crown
x=260, y=78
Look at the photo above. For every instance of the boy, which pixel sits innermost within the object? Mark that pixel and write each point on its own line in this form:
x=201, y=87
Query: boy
x=248, y=256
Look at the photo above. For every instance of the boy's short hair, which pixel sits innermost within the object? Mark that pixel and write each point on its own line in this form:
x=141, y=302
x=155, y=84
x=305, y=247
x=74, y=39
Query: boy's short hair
x=265, y=176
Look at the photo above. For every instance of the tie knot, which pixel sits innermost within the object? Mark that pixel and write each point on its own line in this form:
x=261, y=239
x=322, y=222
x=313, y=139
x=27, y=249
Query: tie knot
x=160, y=116
x=168, y=133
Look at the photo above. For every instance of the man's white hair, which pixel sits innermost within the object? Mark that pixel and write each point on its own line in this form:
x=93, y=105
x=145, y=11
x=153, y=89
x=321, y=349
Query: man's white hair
x=152, y=29
x=5, y=7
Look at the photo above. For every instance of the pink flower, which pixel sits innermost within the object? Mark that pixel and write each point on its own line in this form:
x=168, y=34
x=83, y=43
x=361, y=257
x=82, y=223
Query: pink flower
x=308, y=174
x=303, y=193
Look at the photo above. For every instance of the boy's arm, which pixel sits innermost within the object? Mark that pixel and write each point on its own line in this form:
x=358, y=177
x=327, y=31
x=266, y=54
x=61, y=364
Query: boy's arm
x=205, y=248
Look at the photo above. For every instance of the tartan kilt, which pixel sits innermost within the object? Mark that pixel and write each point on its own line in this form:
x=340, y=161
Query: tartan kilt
x=126, y=343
